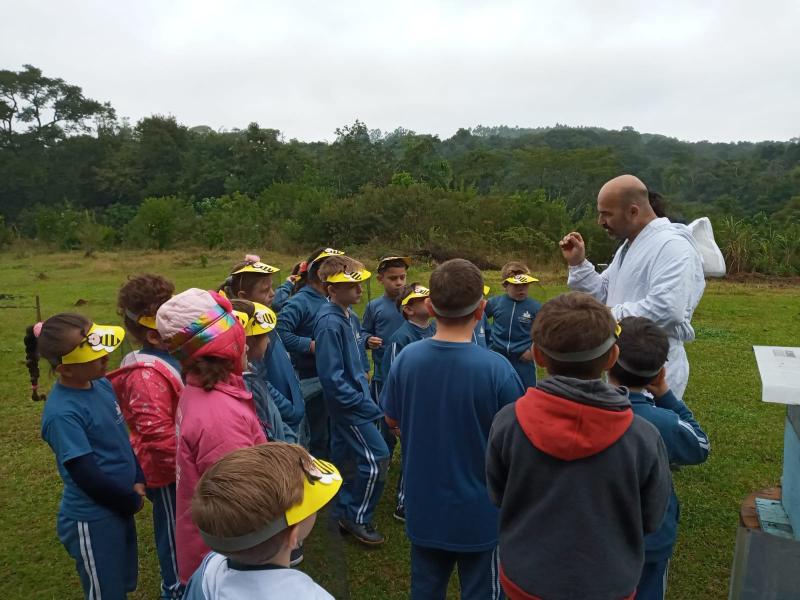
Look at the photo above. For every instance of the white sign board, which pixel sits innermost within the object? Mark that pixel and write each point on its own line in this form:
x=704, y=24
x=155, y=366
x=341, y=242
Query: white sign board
x=780, y=373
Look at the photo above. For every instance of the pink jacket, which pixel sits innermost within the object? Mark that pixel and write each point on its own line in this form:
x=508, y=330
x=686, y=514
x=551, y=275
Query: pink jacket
x=148, y=390
x=210, y=425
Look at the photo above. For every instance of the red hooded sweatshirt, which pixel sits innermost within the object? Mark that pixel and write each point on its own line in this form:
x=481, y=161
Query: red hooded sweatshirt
x=579, y=480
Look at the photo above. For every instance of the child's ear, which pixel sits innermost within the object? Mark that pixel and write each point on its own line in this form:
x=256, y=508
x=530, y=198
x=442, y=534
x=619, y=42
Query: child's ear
x=153, y=338
x=541, y=358
x=293, y=537
x=429, y=307
x=241, y=294
x=660, y=378
x=612, y=358
x=478, y=314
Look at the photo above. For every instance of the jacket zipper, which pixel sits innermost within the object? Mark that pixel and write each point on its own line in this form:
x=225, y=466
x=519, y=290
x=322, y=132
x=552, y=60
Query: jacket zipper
x=510, y=326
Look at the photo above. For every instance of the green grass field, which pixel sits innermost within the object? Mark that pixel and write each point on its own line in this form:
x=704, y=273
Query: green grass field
x=724, y=393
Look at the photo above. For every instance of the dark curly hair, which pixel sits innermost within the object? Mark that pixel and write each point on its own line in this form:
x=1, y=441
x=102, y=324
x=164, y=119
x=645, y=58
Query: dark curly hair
x=142, y=295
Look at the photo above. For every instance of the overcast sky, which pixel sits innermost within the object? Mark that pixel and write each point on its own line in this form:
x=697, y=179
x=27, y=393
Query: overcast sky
x=722, y=70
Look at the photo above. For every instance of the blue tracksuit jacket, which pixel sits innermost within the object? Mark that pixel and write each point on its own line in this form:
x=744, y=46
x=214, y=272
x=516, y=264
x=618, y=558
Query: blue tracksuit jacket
x=340, y=366
x=296, y=328
x=686, y=444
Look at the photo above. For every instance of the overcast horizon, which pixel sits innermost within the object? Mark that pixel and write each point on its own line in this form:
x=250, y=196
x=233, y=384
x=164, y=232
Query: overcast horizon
x=717, y=71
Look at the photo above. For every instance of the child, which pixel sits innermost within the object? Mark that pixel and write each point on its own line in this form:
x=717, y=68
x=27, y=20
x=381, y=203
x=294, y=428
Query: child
x=643, y=349
x=442, y=394
x=83, y=425
x=417, y=323
x=513, y=313
x=352, y=410
x=579, y=478
x=252, y=508
x=258, y=320
x=216, y=413
x=286, y=289
x=296, y=329
x=382, y=317
x=251, y=280
x=482, y=331
x=148, y=385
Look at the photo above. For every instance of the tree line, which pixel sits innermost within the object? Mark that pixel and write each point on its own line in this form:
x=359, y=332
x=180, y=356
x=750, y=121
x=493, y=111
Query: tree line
x=74, y=175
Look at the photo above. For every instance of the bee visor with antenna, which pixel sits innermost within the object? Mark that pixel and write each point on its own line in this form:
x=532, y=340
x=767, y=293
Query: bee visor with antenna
x=321, y=482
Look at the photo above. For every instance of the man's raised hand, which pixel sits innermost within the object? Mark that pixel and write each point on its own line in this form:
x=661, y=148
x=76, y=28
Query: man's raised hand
x=573, y=248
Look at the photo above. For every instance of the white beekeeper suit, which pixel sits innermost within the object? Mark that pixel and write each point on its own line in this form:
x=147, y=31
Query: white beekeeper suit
x=658, y=276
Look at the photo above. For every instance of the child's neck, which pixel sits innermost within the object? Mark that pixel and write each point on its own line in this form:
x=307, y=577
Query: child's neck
x=76, y=384
x=421, y=323
x=615, y=383
x=389, y=296
x=454, y=333
x=344, y=307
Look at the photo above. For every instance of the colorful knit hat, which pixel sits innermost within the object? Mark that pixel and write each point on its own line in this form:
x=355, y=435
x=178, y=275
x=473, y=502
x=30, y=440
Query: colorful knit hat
x=198, y=323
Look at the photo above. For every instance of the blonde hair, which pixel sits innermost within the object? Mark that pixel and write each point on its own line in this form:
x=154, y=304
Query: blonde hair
x=247, y=489
x=338, y=264
x=514, y=267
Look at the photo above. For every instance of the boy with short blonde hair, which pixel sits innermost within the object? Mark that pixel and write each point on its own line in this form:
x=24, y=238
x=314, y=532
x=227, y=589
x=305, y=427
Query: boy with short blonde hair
x=512, y=314
x=252, y=508
x=353, y=412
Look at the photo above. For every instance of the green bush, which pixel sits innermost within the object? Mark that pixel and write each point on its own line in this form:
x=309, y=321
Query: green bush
x=160, y=222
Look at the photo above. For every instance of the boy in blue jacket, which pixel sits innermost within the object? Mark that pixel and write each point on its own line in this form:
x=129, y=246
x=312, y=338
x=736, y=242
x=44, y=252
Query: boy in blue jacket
x=482, y=331
x=296, y=329
x=513, y=314
x=354, y=433
x=643, y=349
x=382, y=317
x=440, y=396
x=418, y=326
x=417, y=323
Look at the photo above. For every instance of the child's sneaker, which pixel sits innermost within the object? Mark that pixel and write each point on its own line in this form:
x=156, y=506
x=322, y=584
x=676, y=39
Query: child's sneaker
x=296, y=557
x=363, y=532
x=400, y=513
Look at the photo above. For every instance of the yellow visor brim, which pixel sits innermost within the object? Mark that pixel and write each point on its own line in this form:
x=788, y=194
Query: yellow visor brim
x=100, y=341
x=257, y=267
x=520, y=279
x=263, y=321
x=421, y=292
x=350, y=277
x=317, y=491
x=149, y=322
x=325, y=254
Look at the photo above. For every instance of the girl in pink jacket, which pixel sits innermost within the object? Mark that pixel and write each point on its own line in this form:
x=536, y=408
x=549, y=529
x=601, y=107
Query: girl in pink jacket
x=216, y=414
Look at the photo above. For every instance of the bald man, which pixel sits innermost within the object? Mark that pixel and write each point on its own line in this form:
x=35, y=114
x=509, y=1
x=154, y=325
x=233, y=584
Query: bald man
x=656, y=273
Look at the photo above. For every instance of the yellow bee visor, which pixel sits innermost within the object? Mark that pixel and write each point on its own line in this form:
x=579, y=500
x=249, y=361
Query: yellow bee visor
x=322, y=481
x=263, y=321
x=257, y=267
x=520, y=279
x=417, y=292
x=406, y=260
x=325, y=254
x=99, y=341
x=486, y=290
x=143, y=320
x=349, y=276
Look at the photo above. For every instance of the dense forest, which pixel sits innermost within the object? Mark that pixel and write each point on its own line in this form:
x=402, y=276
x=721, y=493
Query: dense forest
x=74, y=175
